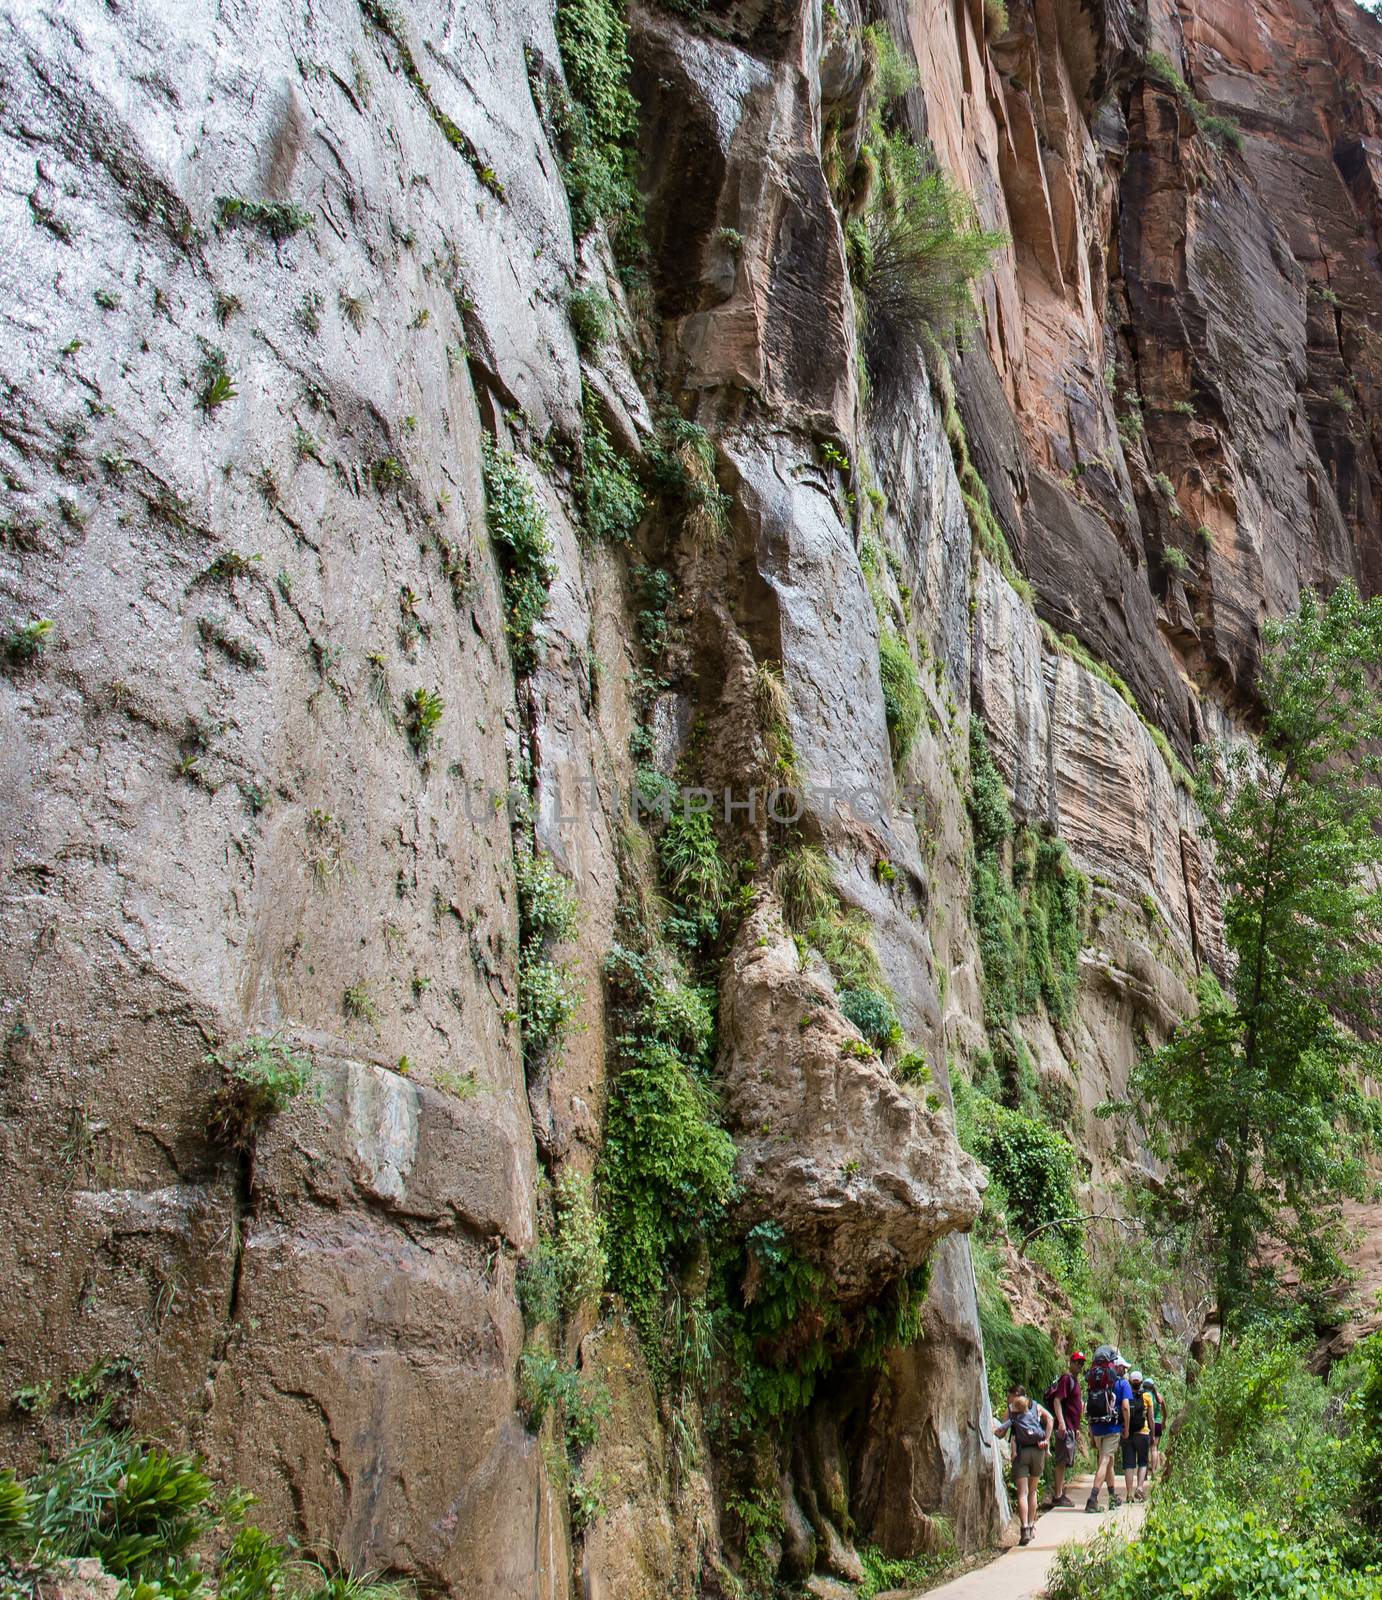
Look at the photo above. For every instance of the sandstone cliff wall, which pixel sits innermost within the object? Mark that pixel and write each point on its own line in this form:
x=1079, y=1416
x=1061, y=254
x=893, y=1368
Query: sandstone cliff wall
x=216, y=824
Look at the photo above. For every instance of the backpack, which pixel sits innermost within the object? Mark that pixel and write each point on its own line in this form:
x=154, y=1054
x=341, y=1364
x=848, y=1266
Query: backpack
x=1137, y=1412
x=1101, y=1409
x=1028, y=1428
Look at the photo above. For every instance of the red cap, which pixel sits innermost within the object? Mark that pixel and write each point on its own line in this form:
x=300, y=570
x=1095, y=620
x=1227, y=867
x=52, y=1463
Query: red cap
x=1075, y=1355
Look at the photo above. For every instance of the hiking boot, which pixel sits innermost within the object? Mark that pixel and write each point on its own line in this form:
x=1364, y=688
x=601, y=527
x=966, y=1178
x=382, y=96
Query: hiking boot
x=1114, y=1502
x=1093, y=1504
x=1065, y=1503
x=1026, y=1536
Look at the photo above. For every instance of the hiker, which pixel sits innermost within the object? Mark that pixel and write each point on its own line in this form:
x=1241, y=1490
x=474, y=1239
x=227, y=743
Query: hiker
x=1064, y=1399
x=1030, y=1425
x=1157, y=1406
x=1137, y=1445
x=1107, y=1404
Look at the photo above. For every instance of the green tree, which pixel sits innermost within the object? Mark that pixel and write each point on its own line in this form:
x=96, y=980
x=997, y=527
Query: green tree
x=1258, y=1102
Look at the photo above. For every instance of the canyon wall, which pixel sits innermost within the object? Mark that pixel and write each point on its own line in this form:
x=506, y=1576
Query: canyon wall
x=278, y=283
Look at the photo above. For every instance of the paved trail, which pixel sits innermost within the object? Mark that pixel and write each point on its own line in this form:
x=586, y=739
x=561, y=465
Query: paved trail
x=1021, y=1573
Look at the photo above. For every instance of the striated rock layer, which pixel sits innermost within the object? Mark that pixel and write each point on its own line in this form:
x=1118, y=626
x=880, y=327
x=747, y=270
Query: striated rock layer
x=216, y=824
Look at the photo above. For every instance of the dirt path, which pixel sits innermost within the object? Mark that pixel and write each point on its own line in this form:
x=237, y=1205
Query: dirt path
x=1020, y=1573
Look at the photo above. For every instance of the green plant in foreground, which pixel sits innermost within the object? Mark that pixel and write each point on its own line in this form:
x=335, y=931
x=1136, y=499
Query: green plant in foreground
x=142, y=1513
x=259, y=1077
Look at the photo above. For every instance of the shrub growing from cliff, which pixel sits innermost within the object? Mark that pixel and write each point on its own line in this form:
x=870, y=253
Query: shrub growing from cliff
x=518, y=527
x=667, y=1167
x=549, y=994
x=902, y=697
x=260, y=1076
x=913, y=260
x=598, y=126
x=873, y=1013
x=607, y=493
x=1033, y=1164
x=1218, y=130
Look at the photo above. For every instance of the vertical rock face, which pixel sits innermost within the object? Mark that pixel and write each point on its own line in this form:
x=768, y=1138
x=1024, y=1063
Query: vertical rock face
x=272, y=278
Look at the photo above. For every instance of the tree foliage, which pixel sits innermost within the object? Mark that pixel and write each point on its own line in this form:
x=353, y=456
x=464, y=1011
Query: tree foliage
x=1258, y=1101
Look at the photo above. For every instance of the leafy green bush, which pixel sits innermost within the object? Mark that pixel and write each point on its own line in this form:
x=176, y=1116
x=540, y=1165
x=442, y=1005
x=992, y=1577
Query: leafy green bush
x=1082, y=1571
x=16, y=1507
x=546, y=903
x=546, y=1386
x=1220, y=1552
x=136, y=1509
x=592, y=318
x=141, y=1513
x=1034, y=1164
x=259, y=1077
x=518, y=527
x=873, y=1013
x=549, y=996
x=607, y=494
x=907, y=1572
x=913, y=255
x=902, y=697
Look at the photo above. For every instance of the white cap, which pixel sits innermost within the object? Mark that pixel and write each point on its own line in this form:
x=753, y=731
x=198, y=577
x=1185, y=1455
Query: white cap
x=1134, y=1377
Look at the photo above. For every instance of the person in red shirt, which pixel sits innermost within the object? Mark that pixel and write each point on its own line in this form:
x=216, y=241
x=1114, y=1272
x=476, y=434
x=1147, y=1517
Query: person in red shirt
x=1067, y=1405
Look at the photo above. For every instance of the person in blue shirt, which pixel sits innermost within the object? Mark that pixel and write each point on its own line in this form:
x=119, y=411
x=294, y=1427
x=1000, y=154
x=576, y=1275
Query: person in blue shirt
x=1108, y=1407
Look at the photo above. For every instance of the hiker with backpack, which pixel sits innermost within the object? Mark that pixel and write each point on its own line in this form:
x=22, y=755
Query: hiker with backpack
x=1030, y=1425
x=1064, y=1399
x=1156, y=1408
x=1108, y=1401
x=1137, y=1446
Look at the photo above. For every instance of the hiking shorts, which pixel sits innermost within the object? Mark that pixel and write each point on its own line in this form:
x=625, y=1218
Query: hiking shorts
x=1137, y=1448
x=1108, y=1445
x=1028, y=1462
